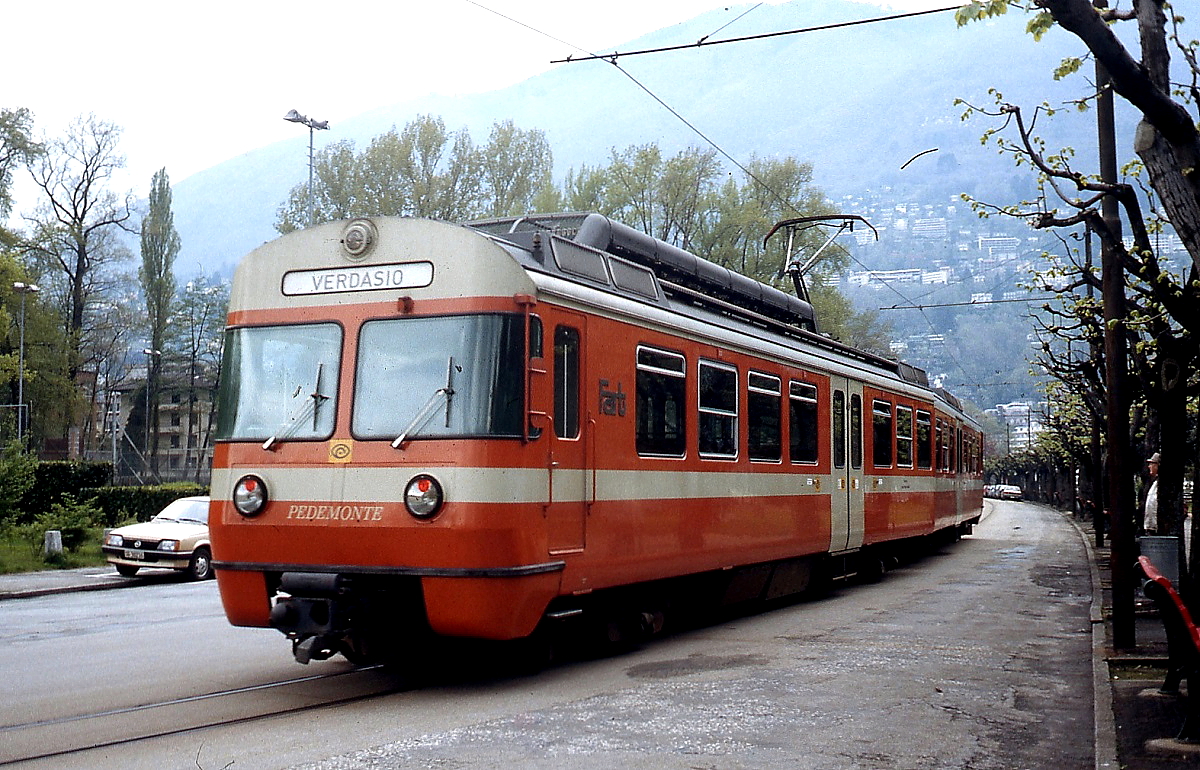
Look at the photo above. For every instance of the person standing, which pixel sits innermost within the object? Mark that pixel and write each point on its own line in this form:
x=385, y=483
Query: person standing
x=1150, y=521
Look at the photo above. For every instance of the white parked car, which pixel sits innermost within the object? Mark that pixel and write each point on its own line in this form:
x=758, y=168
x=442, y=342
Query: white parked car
x=177, y=538
x=1011, y=492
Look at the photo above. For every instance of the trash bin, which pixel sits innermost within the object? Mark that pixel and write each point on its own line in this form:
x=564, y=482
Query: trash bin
x=1163, y=553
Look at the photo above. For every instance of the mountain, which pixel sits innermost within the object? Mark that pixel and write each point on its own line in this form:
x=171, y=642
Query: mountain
x=857, y=102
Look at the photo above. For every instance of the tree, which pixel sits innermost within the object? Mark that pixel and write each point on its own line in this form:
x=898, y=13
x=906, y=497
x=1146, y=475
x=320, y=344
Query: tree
x=160, y=246
x=51, y=397
x=17, y=149
x=424, y=170
x=1167, y=139
x=74, y=231
x=515, y=165
x=16, y=477
x=1167, y=143
x=690, y=201
x=194, y=346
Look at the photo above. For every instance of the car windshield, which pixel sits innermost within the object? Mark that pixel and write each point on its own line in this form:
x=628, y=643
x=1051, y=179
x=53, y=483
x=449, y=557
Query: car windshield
x=439, y=376
x=279, y=383
x=185, y=512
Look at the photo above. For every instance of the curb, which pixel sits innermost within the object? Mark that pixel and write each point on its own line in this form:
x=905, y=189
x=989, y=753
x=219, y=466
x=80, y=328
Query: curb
x=30, y=585
x=1103, y=719
x=32, y=593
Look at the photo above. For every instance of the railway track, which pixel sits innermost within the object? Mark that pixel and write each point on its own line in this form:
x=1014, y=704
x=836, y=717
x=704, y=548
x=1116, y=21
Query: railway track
x=67, y=735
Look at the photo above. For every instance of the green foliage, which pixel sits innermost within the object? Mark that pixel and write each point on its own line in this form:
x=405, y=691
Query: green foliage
x=424, y=170
x=21, y=551
x=16, y=149
x=160, y=246
x=1039, y=25
x=515, y=165
x=73, y=235
x=1069, y=66
x=48, y=392
x=688, y=199
x=74, y=519
x=119, y=504
x=54, y=480
x=977, y=10
x=836, y=316
x=16, y=478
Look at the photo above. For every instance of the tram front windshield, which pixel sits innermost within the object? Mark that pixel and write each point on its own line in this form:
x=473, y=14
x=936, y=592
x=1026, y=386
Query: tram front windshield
x=439, y=376
x=415, y=377
x=279, y=382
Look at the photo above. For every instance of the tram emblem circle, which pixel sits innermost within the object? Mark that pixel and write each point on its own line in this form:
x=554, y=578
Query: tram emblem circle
x=340, y=452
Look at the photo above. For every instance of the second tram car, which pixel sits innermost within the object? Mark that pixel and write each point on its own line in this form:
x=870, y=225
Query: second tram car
x=473, y=431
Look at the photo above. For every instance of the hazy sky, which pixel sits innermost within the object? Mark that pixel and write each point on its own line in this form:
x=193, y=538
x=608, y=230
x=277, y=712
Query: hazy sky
x=194, y=85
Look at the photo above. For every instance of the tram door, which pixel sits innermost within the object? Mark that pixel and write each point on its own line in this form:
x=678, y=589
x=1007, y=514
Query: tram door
x=846, y=466
x=566, y=511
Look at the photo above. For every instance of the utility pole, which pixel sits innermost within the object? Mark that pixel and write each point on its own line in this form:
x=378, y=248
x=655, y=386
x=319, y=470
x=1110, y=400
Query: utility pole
x=1095, y=454
x=1120, y=499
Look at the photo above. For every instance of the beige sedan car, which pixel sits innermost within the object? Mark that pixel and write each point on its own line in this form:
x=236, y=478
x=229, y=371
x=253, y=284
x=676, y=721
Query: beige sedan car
x=177, y=538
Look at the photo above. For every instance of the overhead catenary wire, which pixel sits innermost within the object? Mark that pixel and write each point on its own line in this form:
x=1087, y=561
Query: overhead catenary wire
x=971, y=303
x=703, y=42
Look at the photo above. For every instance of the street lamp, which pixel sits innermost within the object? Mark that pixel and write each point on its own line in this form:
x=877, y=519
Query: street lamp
x=22, y=289
x=318, y=125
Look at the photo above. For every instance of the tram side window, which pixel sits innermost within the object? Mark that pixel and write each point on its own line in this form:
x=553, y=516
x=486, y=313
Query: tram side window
x=764, y=405
x=924, y=440
x=856, y=431
x=661, y=391
x=881, y=435
x=535, y=351
x=943, y=445
x=904, y=436
x=839, y=429
x=718, y=410
x=802, y=400
x=535, y=337
x=566, y=382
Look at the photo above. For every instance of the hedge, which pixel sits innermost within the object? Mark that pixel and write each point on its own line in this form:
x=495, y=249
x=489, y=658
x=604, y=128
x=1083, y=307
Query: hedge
x=54, y=478
x=119, y=504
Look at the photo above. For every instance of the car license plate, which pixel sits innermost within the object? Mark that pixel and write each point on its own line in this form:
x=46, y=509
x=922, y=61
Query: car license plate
x=135, y=555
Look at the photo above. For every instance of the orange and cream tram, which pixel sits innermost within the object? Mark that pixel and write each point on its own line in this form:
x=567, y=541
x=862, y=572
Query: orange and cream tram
x=475, y=431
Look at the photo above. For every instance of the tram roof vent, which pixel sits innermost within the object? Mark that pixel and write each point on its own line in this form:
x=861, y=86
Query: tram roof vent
x=669, y=263
x=951, y=399
x=910, y=373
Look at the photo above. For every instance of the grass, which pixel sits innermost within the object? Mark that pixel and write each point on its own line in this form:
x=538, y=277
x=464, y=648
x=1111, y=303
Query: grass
x=17, y=556
x=1137, y=671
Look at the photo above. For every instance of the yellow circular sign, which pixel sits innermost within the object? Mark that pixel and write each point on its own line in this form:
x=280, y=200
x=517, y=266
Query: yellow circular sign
x=340, y=451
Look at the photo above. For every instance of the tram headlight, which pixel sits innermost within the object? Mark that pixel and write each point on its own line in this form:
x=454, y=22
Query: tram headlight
x=423, y=496
x=250, y=495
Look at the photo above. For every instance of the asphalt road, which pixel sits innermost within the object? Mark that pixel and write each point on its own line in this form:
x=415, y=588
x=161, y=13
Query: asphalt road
x=977, y=657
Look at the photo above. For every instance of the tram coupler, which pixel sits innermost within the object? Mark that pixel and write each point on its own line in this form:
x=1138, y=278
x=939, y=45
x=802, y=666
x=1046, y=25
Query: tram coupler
x=314, y=648
x=313, y=613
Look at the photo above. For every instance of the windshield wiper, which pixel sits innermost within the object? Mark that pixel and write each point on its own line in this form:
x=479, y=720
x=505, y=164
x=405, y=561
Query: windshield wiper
x=423, y=414
x=292, y=423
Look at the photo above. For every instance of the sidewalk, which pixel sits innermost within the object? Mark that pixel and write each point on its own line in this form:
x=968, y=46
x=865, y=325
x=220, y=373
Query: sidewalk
x=1132, y=717
x=1128, y=711
x=24, y=585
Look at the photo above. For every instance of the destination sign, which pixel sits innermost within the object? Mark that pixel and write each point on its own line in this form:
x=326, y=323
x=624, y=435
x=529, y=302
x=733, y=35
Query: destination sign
x=406, y=275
